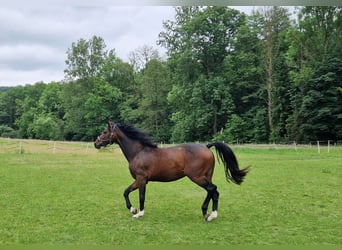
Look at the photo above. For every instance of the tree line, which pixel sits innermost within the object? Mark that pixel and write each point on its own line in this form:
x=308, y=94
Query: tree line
x=267, y=76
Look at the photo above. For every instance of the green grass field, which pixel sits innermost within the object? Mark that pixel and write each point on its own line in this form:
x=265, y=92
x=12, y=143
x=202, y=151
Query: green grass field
x=72, y=194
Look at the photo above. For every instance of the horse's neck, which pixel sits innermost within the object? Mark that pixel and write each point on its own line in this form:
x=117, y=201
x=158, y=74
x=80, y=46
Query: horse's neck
x=129, y=147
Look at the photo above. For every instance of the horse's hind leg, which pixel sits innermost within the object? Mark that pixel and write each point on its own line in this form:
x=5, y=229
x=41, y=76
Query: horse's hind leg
x=205, y=205
x=214, y=195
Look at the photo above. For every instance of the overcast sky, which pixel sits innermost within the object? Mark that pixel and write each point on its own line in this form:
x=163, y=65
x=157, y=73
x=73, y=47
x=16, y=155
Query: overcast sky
x=34, y=40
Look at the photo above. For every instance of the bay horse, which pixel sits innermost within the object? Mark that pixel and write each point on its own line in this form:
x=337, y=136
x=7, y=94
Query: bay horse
x=148, y=162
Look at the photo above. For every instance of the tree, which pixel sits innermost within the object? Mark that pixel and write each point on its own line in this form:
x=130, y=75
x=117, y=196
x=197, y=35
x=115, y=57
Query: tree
x=198, y=43
x=244, y=71
x=6, y=131
x=27, y=108
x=321, y=109
x=50, y=101
x=46, y=127
x=314, y=42
x=118, y=73
x=93, y=96
x=175, y=36
x=153, y=110
x=235, y=130
x=9, y=108
x=275, y=22
x=85, y=59
x=321, y=28
x=101, y=105
x=255, y=78
x=142, y=55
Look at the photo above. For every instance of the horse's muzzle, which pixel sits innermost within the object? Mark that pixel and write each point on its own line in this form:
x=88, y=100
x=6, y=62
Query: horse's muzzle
x=97, y=146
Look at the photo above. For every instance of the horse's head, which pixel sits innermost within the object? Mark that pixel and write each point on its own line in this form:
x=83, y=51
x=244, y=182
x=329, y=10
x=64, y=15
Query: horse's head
x=108, y=136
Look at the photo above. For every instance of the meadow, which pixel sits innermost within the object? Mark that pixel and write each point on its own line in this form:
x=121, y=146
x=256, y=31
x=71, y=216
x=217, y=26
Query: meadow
x=72, y=194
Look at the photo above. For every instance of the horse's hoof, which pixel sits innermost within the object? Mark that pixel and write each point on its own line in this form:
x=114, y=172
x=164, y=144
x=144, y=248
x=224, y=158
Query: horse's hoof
x=133, y=210
x=206, y=217
x=211, y=217
x=138, y=215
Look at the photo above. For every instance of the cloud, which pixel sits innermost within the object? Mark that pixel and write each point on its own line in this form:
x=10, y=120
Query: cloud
x=29, y=57
x=23, y=77
x=35, y=35
x=34, y=39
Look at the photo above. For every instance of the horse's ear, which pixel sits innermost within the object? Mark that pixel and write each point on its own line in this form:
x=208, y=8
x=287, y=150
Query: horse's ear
x=110, y=124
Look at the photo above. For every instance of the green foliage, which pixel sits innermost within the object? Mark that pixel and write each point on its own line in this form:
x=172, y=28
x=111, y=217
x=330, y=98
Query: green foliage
x=85, y=58
x=87, y=111
x=100, y=105
x=6, y=131
x=152, y=110
x=234, y=130
x=8, y=105
x=200, y=40
x=312, y=46
x=322, y=106
x=45, y=126
x=228, y=76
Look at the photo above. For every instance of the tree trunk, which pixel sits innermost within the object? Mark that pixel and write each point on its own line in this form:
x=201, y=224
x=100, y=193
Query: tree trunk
x=270, y=86
x=269, y=73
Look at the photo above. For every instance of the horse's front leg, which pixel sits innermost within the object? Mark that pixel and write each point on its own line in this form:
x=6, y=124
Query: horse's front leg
x=128, y=190
x=142, y=190
x=141, y=184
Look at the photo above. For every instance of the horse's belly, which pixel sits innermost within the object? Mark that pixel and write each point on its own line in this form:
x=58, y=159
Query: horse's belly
x=167, y=175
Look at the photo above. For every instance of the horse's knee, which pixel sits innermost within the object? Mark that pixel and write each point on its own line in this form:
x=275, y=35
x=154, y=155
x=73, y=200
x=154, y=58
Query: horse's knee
x=126, y=192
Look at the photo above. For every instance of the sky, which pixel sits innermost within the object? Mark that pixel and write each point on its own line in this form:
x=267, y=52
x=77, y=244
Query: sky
x=34, y=39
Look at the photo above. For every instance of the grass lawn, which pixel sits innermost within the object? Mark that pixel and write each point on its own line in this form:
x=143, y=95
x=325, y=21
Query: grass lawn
x=72, y=194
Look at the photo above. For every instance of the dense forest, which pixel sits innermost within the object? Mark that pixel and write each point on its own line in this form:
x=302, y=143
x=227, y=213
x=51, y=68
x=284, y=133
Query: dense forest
x=271, y=76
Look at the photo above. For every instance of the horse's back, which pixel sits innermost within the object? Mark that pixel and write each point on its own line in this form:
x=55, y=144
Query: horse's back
x=190, y=152
x=175, y=162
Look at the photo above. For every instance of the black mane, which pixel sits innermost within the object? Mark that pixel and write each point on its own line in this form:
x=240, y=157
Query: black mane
x=136, y=134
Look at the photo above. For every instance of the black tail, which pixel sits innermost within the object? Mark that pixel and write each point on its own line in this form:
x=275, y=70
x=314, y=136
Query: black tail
x=231, y=166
